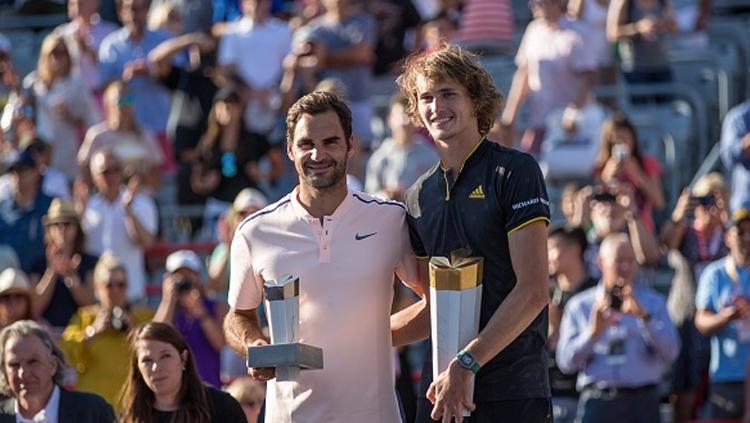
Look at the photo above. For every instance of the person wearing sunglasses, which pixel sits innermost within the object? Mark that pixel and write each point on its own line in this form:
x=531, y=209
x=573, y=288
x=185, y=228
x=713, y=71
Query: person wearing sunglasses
x=95, y=340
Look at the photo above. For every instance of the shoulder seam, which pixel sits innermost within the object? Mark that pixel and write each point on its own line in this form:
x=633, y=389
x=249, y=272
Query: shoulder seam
x=379, y=202
x=262, y=213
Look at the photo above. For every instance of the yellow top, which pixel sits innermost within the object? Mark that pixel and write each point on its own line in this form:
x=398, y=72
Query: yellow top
x=101, y=362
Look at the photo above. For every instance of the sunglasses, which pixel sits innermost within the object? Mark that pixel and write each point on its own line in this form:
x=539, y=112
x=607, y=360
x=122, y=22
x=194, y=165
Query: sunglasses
x=116, y=284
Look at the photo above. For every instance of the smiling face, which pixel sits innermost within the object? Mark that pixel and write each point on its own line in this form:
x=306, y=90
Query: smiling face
x=29, y=366
x=160, y=365
x=320, y=150
x=446, y=109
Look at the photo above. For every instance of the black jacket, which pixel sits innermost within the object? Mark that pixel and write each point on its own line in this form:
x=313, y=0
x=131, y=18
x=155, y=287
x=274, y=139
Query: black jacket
x=75, y=407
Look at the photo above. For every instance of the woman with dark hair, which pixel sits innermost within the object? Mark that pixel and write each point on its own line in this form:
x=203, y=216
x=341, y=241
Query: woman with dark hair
x=621, y=162
x=65, y=274
x=163, y=385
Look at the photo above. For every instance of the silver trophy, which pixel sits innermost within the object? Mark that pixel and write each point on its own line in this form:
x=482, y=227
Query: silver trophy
x=285, y=353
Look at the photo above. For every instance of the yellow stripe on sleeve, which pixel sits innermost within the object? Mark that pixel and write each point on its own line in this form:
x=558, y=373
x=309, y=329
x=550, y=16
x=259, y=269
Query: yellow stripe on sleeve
x=528, y=222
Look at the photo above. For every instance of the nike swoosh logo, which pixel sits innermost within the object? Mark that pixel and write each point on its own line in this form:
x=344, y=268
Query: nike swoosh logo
x=359, y=237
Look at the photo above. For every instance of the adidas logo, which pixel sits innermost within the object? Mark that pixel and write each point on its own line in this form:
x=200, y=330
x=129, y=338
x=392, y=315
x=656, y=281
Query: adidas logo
x=477, y=194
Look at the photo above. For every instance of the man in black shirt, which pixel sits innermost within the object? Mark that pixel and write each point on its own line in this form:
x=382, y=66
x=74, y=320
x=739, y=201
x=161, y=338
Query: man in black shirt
x=493, y=201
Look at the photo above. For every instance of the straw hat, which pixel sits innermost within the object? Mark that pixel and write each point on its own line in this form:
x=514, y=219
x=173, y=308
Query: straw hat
x=60, y=211
x=14, y=281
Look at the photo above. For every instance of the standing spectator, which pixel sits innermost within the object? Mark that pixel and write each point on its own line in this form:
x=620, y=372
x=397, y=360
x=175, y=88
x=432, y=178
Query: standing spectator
x=64, y=276
x=163, y=384
x=640, y=29
x=32, y=375
x=165, y=17
x=122, y=55
x=16, y=297
x=487, y=26
x=621, y=162
x=735, y=152
x=395, y=19
x=556, y=70
x=119, y=219
x=254, y=49
x=84, y=34
x=400, y=159
x=593, y=13
x=63, y=105
x=198, y=318
x=723, y=310
x=619, y=339
x=21, y=213
x=95, y=340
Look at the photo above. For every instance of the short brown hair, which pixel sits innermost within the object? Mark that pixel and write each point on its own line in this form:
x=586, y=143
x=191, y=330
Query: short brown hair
x=315, y=103
x=462, y=66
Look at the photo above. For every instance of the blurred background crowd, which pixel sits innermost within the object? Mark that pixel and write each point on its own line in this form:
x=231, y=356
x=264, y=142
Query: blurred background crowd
x=137, y=134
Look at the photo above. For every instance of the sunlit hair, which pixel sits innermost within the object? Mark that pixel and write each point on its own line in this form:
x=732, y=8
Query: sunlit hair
x=137, y=399
x=610, y=244
x=618, y=120
x=315, y=103
x=160, y=15
x=246, y=390
x=462, y=66
x=107, y=265
x=22, y=329
x=44, y=67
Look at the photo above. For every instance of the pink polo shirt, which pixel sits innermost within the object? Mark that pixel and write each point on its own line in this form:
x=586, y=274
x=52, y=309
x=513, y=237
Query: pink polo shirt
x=346, y=266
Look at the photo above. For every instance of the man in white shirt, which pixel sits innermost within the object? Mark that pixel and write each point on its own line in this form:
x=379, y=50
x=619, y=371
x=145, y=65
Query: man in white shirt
x=32, y=371
x=119, y=219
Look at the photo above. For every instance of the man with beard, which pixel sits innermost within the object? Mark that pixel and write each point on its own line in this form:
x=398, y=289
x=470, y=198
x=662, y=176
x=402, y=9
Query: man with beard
x=344, y=246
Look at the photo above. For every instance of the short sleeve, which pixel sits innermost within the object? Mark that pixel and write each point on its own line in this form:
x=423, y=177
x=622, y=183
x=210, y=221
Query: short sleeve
x=523, y=194
x=108, y=66
x=226, y=51
x=244, y=290
x=412, y=203
x=582, y=56
x=406, y=269
x=707, y=285
x=147, y=214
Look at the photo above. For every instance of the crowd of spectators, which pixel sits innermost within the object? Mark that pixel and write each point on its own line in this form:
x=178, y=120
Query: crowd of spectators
x=183, y=103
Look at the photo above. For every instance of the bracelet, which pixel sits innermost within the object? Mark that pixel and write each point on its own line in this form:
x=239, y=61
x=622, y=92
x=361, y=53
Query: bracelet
x=69, y=282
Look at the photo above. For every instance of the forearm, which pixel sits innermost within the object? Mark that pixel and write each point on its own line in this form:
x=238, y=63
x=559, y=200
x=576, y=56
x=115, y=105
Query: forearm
x=164, y=51
x=644, y=244
x=165, y=311
x=411, y=324
x=708, y=322
x=516, y=96
x=137, y=232
x=45, y=288
x=360, y=54
x=242, y=328
x=651, y=188
x=573, y=354
x=81, y=293
x=672, y=234
x=212, y=329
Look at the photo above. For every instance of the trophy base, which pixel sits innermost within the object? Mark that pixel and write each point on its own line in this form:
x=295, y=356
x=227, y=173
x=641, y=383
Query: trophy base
x=303, y=356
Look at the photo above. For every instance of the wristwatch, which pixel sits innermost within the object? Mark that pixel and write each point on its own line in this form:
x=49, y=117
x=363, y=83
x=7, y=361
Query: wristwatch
x=467, y=361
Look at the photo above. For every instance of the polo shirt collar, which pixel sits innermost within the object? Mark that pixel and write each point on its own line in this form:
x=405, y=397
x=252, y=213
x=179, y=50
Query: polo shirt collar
x=302, y=212
x=471, y=157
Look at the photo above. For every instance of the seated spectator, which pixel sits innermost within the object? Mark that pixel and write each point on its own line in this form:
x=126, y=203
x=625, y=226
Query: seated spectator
x=95, y=340
x=21, y=213
x=723, y=313
x=84, y=34
x=54, y=182
x=619, y=339
x=163, y=384
x=63, y=105
x=229, y=156
x=64, y=276
x=401, y=158
x=641, y=29
x=136, y=147
x=556, y=70
x=32, y=369
x=198, y=318
x=250, y=394
x=119, y=219
x=735, y=152
x=16, y=297
x=621, y=161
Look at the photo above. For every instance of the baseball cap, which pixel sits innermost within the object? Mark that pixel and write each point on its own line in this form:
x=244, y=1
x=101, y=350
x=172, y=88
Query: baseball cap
x=184, y=259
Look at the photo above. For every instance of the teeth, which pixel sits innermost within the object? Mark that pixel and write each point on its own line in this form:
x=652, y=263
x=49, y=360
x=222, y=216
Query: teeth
x=441, y=120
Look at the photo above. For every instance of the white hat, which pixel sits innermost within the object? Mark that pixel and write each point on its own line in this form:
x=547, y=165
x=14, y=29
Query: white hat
x=184, y=259
x=14, y=280
x=249, y=197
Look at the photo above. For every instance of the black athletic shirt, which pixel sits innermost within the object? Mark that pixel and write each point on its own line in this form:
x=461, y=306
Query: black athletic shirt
x=498, y=191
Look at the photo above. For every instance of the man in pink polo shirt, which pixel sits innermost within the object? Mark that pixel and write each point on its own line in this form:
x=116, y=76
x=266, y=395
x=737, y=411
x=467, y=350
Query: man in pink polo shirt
x=344, y=246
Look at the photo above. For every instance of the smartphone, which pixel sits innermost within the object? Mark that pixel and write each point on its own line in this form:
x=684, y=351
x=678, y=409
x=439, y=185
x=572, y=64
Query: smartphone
x=620, y=151
x=615, y=298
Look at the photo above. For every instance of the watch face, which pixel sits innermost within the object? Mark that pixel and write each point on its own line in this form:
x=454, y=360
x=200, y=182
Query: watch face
x=466, y=359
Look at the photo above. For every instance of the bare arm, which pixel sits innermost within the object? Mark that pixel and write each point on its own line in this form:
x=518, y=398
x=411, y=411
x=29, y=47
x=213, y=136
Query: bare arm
x=241, y=329
x=358, y=54
x=707, y=322
x=616, y=26
x=412, y=324
x=674, y=229
x=519, y=89
x=161, y=56
x=45, y=288
x=644, y=243
x=137, y=232
x=575, y=8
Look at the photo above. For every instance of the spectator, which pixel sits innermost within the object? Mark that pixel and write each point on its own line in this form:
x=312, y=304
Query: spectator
x=32, y=373
x=163, y=384
x=400, y=159
x=593, y=13
x=640, y=29
x=122, y=55
x=195, y=15
x=568, y=277
x=84, y=34
x=619, y=338
x=135, y=146
x=487, y=26
x=229, y=156
x=54, y=182
x=63, y=105
x=250, y=395
x=95, y=340
x=65, y=274
x=21, y=213
x=723, y=310
x=119, y=219
x=254, y=49
x=556, y=70
x=165, y=17
x=198, y=318
x=16, y=297
x=621, y=161
x=735, y=152
x=395, y=19
x=9, y=81
x=438, y=31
